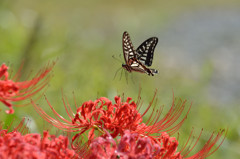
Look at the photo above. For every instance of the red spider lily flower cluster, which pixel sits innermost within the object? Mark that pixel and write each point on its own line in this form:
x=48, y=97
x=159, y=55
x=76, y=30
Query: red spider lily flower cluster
x=106, y=122
x=15, y=145
x=102, y=114
x=12, y=90
x=131, y=145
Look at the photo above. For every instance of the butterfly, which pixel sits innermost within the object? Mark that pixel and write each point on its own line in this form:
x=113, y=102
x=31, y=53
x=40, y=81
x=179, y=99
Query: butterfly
x=138, y=60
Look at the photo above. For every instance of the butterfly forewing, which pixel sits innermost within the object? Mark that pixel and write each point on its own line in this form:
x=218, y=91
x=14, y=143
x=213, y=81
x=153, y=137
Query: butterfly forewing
x=128, y=50
x=146, y=50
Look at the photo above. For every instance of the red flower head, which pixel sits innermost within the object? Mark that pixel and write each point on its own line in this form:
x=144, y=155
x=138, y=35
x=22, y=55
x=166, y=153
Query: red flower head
x=100, y=114
x=16, y=145
x=106, y=121
x=12, y=90
x=136, y=146
x=116, y=118
x=131, y=145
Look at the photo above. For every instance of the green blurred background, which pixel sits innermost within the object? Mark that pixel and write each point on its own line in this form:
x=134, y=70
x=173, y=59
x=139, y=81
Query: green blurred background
x=197, y=56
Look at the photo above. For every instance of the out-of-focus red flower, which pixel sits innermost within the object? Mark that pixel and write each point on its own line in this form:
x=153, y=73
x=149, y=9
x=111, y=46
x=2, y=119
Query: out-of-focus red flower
x=136, y=146
x=15, y=145
x=12, y=90
x=106, y=121
x=131, y=145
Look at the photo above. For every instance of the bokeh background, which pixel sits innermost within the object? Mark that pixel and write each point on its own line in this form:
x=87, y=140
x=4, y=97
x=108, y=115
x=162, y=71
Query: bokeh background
x=198, y=56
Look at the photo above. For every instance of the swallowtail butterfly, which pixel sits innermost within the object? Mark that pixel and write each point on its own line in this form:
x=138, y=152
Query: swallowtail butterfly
x=138, y=60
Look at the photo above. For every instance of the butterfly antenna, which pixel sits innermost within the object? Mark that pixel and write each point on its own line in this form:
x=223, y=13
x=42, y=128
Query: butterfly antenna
x=117, y=58
x=120, y=56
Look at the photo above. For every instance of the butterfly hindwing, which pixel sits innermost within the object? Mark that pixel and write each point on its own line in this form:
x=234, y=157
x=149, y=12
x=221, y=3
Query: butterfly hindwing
x=145, y=51
x=138, y=67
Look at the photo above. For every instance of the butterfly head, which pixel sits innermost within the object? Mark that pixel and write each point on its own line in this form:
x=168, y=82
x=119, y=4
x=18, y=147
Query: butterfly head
x=126, y=67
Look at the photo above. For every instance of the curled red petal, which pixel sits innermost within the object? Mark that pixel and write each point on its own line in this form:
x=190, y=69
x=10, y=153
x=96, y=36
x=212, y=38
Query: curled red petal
x=12, y=90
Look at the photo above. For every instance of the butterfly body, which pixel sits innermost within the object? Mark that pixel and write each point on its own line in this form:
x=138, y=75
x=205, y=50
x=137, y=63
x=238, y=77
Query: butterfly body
x=138, y=68
x=138, y=60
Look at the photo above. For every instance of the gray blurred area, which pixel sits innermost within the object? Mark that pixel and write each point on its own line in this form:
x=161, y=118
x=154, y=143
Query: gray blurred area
x=206, y=35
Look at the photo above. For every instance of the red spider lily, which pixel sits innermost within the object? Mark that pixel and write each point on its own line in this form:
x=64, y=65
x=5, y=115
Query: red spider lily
x=136, y=146
x=16, y=145
x=12, y=90
x=102, y=114
x=19, y=143
x=131, y=145
x=123, y=119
